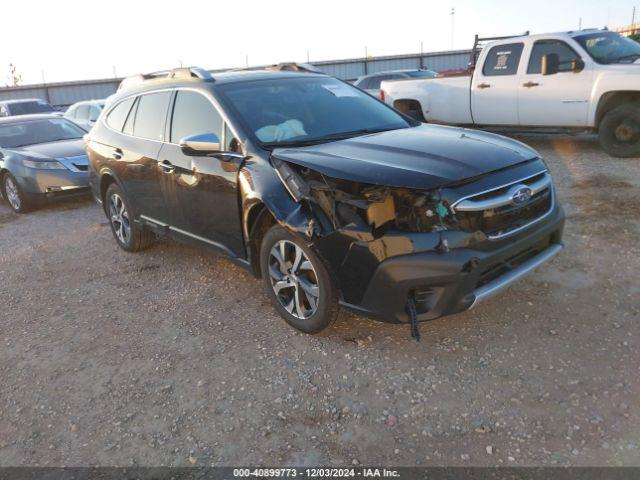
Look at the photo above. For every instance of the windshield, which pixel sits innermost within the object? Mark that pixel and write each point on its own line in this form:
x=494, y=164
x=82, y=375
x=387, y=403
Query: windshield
x=14, y=135
x=25, y=108
x=297, y=111
x=422, y=74
x=610, y=47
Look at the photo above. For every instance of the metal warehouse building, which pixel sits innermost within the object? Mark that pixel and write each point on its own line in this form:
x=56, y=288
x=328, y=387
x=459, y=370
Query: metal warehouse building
x=66, y=93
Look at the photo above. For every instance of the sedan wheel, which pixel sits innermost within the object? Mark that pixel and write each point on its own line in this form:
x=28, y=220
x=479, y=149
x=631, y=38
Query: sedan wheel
x=294, y=280
x=11, y=191
x=119, y=218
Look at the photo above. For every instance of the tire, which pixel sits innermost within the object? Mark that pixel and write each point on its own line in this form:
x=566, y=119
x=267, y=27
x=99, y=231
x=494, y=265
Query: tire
x=13, y=194
x=280, y=252
x=130, y=236
x=619, y=131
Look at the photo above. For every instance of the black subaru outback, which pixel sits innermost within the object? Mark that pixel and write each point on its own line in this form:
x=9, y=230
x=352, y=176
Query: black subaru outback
x=332, y=197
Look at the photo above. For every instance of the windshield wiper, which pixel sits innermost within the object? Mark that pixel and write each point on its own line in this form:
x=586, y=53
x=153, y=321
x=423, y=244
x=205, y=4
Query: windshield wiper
x=327, y=138
x=633, y=56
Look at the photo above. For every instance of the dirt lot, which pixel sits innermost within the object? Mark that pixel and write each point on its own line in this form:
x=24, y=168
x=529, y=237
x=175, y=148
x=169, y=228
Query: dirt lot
x=175, y=357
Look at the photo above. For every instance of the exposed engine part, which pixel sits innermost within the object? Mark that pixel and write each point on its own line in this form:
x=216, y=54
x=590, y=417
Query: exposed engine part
x=379, y=213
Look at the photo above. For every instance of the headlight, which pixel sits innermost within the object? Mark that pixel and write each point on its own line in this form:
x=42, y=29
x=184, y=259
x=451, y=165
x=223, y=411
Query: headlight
x=44, y=164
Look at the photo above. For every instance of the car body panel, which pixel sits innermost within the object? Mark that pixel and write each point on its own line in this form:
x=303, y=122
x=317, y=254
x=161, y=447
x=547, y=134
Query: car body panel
x=421, y=157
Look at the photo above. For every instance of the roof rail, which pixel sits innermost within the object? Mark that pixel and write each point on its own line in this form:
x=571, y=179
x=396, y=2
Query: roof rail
x=186, y=73
x=479, y=43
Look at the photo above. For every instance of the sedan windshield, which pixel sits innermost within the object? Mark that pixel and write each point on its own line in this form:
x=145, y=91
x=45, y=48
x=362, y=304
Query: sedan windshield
x=20, y=134
x=299, y=111
x=610, y=47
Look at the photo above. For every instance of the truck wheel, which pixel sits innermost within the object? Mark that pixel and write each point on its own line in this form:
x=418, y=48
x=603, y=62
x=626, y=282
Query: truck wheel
x=297, y=282
x=129, y=235
x=619, y=131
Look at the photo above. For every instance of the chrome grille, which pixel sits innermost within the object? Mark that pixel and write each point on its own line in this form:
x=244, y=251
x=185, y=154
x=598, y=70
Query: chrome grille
x=507, y=209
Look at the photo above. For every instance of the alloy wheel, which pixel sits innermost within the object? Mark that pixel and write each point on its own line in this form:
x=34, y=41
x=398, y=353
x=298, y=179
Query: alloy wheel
x=119, y=218
x=11, y=191
x=294, y=280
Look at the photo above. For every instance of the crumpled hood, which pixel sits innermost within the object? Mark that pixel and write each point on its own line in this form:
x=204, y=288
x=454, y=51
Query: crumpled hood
x=420, y=157
x=53, y=150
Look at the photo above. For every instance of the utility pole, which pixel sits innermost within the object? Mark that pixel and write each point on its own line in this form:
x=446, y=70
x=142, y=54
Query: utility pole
x=453, y=13
x=307, y=55
x=421, y=54
x=115, y=74
x=580, y=24
x=633, y=16
x=246, y=60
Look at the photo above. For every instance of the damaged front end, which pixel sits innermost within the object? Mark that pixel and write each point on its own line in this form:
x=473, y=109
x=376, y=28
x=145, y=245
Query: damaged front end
x=405, y=255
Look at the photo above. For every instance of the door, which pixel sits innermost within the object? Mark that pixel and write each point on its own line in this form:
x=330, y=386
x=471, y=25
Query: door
x=139, y=167
x=559, y=100
x=494, y=88
x=201, y=190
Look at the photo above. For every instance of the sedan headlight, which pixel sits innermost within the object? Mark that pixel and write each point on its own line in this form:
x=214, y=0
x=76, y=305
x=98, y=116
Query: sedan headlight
x=44, y=164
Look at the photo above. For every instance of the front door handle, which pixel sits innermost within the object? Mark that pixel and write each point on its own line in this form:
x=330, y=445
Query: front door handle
x=484, y=85
x=117, y=154
x=530, y=84
x=167, y=166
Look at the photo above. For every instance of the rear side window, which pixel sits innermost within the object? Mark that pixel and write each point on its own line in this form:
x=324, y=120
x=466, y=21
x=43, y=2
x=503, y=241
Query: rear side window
x=150, y=116
x=193, y=114
x=82, y=112
x=565, y=53
x=94, y=113
x=375, y=81
x=503, y=60
x=118, y=114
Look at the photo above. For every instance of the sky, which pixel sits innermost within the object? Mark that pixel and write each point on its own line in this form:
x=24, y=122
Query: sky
x=60, y=40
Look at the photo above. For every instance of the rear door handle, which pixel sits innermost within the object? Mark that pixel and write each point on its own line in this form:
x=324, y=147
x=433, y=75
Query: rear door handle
x=530, y=84
x=117, y=154
x=484, y=85
x=167, y=166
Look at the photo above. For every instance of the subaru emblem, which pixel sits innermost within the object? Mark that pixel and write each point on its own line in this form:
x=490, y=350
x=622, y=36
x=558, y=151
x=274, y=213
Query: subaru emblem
x=520, y=194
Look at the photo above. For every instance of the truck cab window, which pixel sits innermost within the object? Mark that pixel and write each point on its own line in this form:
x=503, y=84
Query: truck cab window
x=503, y=60
x=565, y=53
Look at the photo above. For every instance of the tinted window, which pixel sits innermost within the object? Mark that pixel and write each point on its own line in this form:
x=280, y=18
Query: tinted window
x=24, y=108
x=94, y=113
x=14, y=135
x=128, y=124
x=82, y=113
x=375, y=81
x=503, y=60
x=308, y=109
x=422, y=74
x=118, y=115
x=564, y=52
x=150, y=116
x=193, y=114
x=364, y=83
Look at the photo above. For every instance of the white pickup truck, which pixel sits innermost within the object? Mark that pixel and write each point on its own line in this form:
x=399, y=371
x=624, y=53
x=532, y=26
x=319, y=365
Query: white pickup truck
x=582, y=80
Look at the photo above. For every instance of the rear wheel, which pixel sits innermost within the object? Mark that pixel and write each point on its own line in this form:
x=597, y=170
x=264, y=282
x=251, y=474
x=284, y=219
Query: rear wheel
x=619, y=131
x=297, y=282
x=13, y=194
x=129, y=235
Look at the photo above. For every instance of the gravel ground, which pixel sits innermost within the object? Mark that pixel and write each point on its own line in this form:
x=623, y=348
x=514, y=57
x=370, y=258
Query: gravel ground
x=175, y=357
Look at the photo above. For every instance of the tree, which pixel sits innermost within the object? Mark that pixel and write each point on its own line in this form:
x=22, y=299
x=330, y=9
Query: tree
x=635, y=36
x=14, y=77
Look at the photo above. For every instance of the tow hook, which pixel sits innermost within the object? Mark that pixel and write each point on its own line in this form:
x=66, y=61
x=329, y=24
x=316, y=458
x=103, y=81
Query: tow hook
x=413, y=317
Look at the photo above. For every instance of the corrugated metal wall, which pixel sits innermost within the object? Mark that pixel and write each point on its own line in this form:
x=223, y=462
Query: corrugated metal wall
x=67, y=93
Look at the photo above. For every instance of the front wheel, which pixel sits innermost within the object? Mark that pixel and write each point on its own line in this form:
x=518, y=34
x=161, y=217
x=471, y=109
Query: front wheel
x=297, y=282
x=13, y=194
x=129, y=235
x=619, y=131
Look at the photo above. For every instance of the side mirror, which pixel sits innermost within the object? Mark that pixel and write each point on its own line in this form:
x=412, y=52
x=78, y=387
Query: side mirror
x=200, y=145
x=577, y=65
x=550, y=64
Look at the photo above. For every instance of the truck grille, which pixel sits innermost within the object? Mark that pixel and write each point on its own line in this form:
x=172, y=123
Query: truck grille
x=507, y=209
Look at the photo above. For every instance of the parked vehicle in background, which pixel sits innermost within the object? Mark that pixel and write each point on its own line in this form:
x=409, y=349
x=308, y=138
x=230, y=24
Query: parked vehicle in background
x=582, y=80
x=332, y=197
x=371, y=83
x=24, y=106
x=85, y=113
x=41, y=156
